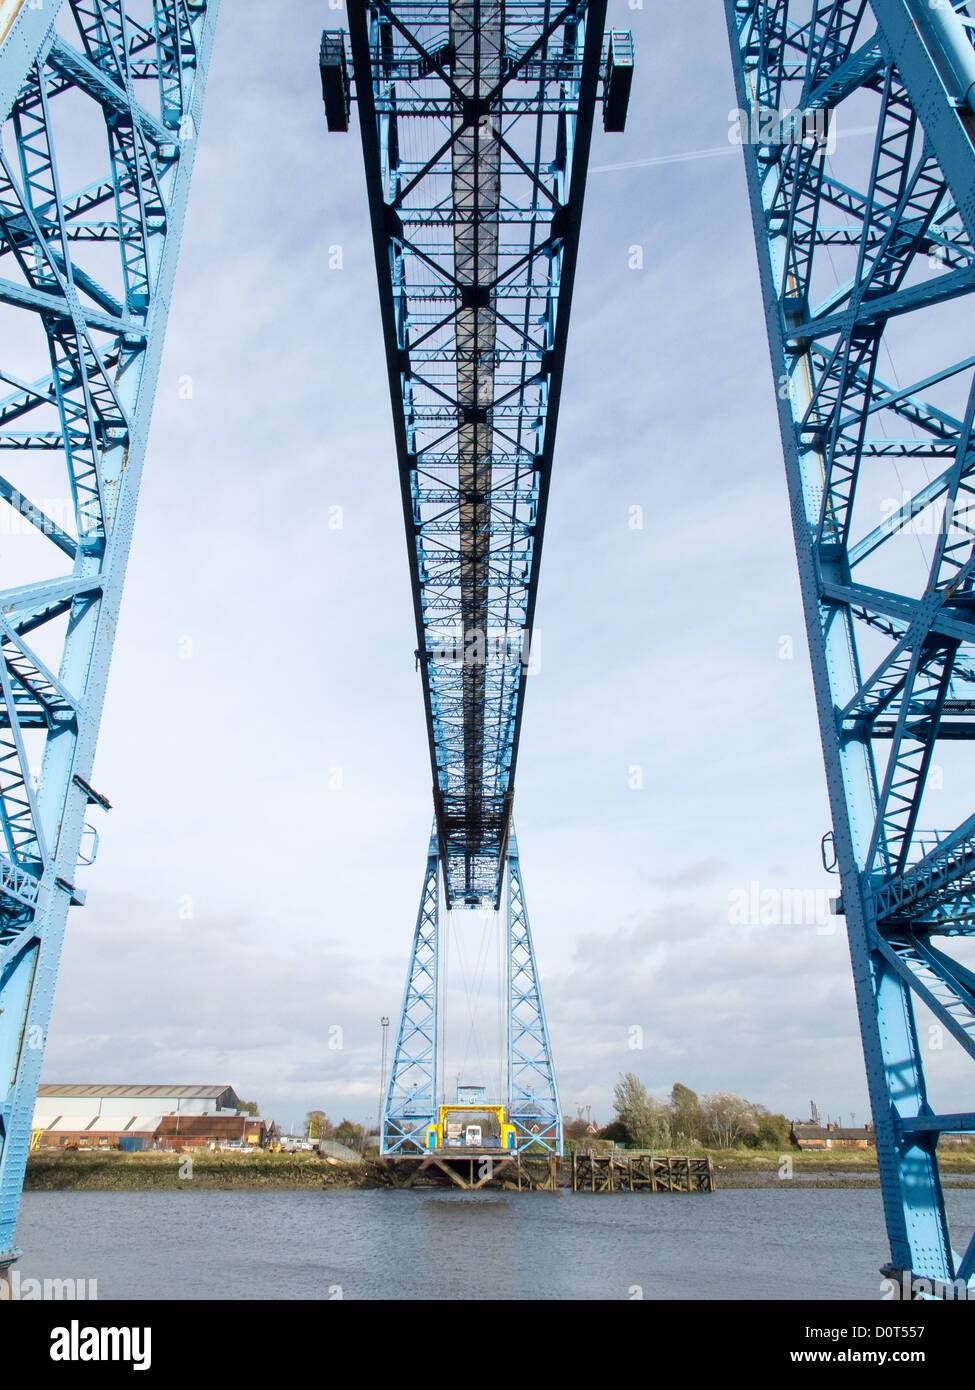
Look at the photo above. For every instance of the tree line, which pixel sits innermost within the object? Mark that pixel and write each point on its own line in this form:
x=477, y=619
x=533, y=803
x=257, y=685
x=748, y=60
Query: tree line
x=319, y=1126
x=716, y=1120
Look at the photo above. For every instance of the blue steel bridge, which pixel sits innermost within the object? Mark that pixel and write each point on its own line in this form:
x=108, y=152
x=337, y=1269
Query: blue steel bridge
x=475, y=122
x=475, y=119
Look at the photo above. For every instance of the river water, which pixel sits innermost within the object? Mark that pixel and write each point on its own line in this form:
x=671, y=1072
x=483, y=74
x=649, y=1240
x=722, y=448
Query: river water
x=734, y=1244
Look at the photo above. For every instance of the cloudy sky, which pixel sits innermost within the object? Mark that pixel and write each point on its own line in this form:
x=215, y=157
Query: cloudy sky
x=263, y=742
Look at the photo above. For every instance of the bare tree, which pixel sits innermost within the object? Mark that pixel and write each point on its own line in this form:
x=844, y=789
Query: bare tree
x=728, y=1119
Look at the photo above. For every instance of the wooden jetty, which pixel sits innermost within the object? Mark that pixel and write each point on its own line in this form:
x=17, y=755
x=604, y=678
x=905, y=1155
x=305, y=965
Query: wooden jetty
x=640, y=1173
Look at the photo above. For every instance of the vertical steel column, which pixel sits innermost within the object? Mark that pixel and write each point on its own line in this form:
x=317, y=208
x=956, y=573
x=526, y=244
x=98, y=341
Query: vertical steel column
x=891, y=643
x=411, y=1097
x=533, y=1098
x=103, y=324
x=949, y=45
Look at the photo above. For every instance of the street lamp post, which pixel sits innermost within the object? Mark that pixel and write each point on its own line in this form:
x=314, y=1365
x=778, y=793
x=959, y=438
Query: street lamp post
x=384, y=1025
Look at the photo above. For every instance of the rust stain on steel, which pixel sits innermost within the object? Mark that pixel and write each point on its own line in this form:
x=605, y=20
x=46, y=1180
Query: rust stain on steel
x=9, y=10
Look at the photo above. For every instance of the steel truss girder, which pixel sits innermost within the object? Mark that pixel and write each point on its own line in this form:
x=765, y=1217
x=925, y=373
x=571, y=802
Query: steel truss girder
x=416, y=1086
x=103, y=333
x=475, y=120
x=892, y=648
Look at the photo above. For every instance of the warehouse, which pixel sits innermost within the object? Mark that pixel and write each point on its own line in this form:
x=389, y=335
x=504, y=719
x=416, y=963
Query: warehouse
x=130, y=1116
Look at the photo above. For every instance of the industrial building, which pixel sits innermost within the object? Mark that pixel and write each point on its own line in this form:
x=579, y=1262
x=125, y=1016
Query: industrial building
x=144, y=1117
x=207, y=1131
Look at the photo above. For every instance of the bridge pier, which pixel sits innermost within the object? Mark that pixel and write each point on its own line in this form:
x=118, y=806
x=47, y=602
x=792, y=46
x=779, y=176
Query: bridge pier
x=474, y=1171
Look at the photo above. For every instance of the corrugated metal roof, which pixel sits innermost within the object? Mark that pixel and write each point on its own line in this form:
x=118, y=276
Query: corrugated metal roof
x=103, y=1124
x=87, y=1091
x=195, y=1125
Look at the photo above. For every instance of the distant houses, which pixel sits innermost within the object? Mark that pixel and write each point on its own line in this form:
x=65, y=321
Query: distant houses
x=830, y=1136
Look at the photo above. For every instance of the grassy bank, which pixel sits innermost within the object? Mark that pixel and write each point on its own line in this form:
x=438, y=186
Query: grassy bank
x=118, y=1172
x=111, y=1172
x=849, y=1160
x=821, y=1168
x=746, y=1167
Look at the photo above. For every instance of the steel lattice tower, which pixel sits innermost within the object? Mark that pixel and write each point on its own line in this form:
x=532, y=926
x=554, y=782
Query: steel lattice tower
x=85, y=285
x=861, y=259
x=475, y=118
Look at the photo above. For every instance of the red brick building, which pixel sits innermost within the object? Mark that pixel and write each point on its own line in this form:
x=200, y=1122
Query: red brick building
x=211, y=1131
x=832, y=1137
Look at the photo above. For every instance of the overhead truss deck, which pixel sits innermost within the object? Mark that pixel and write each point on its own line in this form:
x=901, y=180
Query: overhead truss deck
x=475, y=118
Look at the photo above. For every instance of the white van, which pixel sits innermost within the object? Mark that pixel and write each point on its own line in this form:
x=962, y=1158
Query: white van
x=472, y=1137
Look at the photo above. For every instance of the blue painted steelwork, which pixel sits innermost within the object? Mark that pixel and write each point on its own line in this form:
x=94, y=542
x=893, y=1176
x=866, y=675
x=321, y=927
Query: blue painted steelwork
x=850, y=265
x=412, y=1093
x=416, y=1085
x=87, y=274
x=533, y=1098
x=475, y=118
